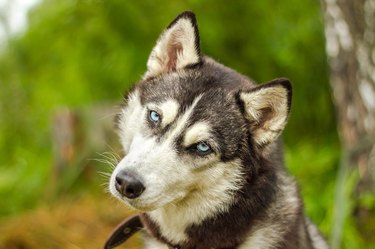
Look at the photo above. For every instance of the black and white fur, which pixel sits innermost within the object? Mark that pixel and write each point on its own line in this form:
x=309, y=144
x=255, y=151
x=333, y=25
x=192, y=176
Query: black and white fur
x=234, y=195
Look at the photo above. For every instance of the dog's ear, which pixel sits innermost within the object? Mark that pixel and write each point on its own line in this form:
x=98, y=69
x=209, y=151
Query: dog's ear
x=177, y=47
x=267, y=108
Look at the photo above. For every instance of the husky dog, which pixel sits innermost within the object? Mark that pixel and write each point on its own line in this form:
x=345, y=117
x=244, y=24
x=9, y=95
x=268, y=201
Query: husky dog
x=203, y=163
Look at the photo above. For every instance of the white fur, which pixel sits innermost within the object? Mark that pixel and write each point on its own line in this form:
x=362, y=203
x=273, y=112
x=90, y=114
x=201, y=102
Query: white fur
x=129, y=120
x=182, y=121
x=275, y=98
x=266, y=237
x=170, y=111
x=210, y=193
x=198, y=132
x=151, y=243
x=181, y=34
x=315, y=236
x=155, y=164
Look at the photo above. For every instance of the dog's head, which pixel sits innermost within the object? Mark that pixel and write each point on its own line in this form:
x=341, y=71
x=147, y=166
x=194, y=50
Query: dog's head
x=192, y=128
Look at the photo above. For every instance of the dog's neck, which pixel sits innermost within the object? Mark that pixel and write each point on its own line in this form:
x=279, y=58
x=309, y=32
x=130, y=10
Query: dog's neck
x=207, y=221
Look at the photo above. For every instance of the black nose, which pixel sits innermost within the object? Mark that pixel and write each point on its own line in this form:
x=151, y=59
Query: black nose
x=128, y=185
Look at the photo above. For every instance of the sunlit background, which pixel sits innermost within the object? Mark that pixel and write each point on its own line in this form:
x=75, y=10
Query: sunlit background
x=64, y=67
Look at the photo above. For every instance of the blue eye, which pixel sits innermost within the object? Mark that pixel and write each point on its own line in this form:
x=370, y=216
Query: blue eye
x=203, y=148
x=154, y=116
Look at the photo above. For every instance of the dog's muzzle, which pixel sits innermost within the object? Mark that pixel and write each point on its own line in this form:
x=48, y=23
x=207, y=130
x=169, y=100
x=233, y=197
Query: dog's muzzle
x=128, y=185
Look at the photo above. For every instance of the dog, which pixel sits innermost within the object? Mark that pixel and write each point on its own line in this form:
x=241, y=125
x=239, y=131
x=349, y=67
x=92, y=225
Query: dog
x=203, y=162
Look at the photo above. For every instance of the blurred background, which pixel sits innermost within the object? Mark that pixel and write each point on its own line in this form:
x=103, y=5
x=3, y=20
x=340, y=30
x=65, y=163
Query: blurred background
x=64, y=67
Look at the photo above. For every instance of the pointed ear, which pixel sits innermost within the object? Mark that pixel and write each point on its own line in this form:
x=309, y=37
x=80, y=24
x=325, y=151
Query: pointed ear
x=267, y=108
x=177, y=47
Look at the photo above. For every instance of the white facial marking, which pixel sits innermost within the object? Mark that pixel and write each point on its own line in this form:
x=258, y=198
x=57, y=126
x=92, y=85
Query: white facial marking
x=156, y=163
x=182, y=121
x=197, y=133
x=170, y=111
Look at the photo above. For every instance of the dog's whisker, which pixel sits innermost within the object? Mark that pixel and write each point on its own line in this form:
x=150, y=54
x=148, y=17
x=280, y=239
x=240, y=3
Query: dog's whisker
x=109, y=156
x=104, y=184
x=106, y=160
x=104, y=174
x=117, y=156
x=109, y=115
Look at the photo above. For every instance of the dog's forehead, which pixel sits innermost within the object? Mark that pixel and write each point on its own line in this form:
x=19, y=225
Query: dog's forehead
x=183, y=88
x=208, y=103
x=217, y=104
x=185, y=85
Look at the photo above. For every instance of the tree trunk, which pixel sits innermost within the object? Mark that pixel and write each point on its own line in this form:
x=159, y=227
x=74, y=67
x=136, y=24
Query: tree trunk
x=350, y=45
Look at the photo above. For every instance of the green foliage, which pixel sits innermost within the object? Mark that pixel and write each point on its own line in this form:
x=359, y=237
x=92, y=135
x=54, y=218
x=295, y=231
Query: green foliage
x=79, y=52
x=314, y=169
x=352, y=237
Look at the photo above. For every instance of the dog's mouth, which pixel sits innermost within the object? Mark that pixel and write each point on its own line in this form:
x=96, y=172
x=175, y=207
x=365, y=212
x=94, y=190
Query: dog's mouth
x=144, y=205
x=147, y=203
x=145, y=196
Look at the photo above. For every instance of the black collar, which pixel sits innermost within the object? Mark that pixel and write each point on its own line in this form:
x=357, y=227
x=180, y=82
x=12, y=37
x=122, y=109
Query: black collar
x=124, y=231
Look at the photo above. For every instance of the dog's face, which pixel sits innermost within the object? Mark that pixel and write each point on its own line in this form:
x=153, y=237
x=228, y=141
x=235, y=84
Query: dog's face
x=191, y=127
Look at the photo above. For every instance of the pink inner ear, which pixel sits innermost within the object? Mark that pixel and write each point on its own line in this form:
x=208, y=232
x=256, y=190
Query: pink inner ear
x=177, y=47
x=173, y=50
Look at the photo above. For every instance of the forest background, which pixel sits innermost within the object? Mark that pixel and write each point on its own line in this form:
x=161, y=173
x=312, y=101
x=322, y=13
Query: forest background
x=62, y=78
